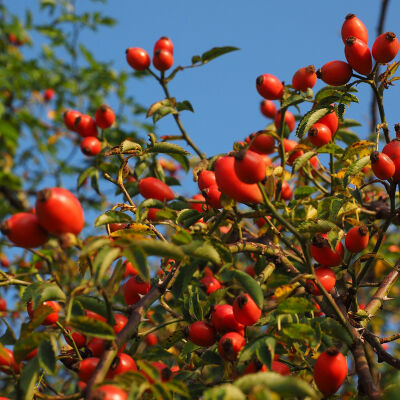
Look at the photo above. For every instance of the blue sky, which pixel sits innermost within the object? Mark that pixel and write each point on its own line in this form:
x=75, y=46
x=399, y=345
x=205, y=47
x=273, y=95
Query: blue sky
x=274, y=37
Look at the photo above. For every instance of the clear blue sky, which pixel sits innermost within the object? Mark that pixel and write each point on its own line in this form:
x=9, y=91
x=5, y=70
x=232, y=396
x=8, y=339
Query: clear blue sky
x=274, y=37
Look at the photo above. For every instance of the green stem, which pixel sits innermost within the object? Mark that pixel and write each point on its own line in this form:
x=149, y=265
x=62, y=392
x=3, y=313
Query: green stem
x=159, y=326
x=69, y=335
x=379, y=100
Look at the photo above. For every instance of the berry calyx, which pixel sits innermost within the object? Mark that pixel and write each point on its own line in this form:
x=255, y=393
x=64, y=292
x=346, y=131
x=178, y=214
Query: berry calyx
x=269, y=87
x=304, y=78
x=319, y=134
x=358, y=55
x=230, y=344
x=246, y=310
x=249, y=166
x=385, y=47
x=59, y=211
x=353, y=26
x=24, y=230
x=163, y=60
x=322, y=253
x=357, y=239
x=90, y=146
x=164, y=43
x=104, y=116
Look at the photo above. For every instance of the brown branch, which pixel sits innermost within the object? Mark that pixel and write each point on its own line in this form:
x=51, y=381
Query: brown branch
x=379, y=30
x=388, y=339
x=130, y=330
x=383, y=355
x=366, y=383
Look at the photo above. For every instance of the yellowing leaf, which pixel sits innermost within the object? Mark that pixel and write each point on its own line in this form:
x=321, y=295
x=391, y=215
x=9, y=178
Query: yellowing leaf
x=284, y=291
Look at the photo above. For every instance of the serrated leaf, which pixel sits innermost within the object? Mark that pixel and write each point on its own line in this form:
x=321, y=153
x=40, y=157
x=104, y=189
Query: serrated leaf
x=304, y=191
x=184, y=105
x=92, y=327
x=292, y=100
x=216, y=52
x=250, y=286
x=330, y=148
x=335, y=330
x=355, y=169
x=110, y=217
x=289, y=386
x=159, y=104
x=295, y=305
x=130, y=147
x=361, y=148
x=47, y=355
x=162, y=112
x=301, y=161
x=314, y=226
x=310, y=119
x=166, y=148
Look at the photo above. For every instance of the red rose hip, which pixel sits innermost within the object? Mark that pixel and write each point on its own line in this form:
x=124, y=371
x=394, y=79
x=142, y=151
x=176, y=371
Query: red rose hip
x=269, y=87
x=357, y=239
x=137, y=58
x=246, y=310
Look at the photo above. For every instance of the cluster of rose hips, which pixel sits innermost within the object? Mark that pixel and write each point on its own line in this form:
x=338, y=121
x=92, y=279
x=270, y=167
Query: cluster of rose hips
x=163, y=56
x=57, y=211
x=86, y=126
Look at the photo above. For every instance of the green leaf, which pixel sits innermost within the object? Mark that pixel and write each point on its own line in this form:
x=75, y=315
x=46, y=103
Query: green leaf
x=266, y=350
x=159, y=248
x=47, y=291
x=105, y=257
x=299, y=331
x=330, y=148
x=227, y=391
x=203, y=250
x=360, y=148
x=130, y=147
x=162, y=112
x=349, y=123
x=93, y=304
x=184, y=105
x=355, y=169
x=196, y=59
x=28, y=343
x=289, y=386
x=29, y=377
x=182, y=160
x=139, y=260
x=47, y=355
x=250, y=286
x=292, y=100
x=295, y=305
x=185, y=275
x=310, y=119
x=333, y=328
x=301, y=161
x=166, y=148
x=304, y=191
x=110, y=217
x=195, y=308
x=188, y=217
x=216, y=52
x=347, y=136
x=314, y=226
x=85, y=175
x=92, y=327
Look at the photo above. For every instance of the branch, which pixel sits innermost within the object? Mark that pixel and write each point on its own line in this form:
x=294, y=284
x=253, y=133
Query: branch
x=388, y=339
x=383, y=355
x=128, y=331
